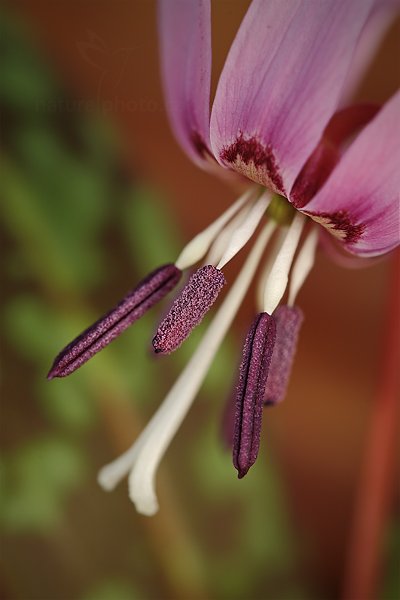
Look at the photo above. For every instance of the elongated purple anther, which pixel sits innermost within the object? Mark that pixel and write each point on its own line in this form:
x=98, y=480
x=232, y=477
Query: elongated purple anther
x=139, y=300
x=189, y=308
x=256, y=359
x=288, y=323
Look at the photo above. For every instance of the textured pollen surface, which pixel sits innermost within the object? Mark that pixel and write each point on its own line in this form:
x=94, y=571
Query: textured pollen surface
x=189, y=308
x=257, y=353
x=288, y=322
x=139, y=300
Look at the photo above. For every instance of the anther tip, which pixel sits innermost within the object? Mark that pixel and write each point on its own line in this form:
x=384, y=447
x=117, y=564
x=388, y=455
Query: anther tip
x=242, y=473
x=52, y=373
x=157, y=349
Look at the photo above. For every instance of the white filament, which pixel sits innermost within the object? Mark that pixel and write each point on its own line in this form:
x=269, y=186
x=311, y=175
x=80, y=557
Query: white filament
x=303, y=265
x=145, y=454
x=277, y=280
x=243, y=233
x=199, y=245
x=221, y=242
x=271, y=258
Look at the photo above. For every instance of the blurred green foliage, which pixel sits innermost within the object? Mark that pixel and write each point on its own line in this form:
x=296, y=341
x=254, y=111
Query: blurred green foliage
x=35, y=481
x=112, y=590
x=391, y=587
x=25, y=80
x=150, y=232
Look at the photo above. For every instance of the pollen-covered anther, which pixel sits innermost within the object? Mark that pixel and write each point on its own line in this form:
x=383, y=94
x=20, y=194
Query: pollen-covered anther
x=256, y=359
x=288, y=323
x=139, y=300
x=189, y=308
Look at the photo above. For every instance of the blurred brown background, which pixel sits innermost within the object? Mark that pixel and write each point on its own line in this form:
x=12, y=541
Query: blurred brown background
x=203, y=543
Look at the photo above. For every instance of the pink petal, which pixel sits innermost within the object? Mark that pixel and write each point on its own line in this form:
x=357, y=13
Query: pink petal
x=370, y=40
x=281, y=83
x=360, y=202
x=185, y=45
x=342, y=126
x=338, y=254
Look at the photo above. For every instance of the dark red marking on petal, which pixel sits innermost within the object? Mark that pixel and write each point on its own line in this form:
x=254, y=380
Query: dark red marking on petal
x=340, y=224
x=288, y=323
x=314, y=173
x=189, y=308
x=138, y=301
x=345, y=122
x=342, y=125
x=254, y=160
x=256, y=359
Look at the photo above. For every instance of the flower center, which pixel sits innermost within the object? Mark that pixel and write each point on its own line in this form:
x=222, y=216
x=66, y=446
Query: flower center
x=280, y=210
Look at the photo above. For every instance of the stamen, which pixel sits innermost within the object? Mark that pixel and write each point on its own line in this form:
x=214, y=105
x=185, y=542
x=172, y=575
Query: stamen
x=288, y=323
x=189, y=309
x=271, y=258
x=139, y=300
x=196, y=249
x=145, y=454
x=221, y=242
x=278, y=278
x=243, y=233
x=257, y=353
x=303, y=265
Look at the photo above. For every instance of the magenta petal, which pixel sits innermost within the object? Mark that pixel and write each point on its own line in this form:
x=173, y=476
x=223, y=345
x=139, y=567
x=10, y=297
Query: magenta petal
x=185, y=46
x=281, y=83
x=360, y=202
x=381, y=18
x=339, y=255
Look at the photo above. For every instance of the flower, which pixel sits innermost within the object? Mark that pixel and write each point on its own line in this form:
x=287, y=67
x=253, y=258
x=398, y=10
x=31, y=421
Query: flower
x=277, y=122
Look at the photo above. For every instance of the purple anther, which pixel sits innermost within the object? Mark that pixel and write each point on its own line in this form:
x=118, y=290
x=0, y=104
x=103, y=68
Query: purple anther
x=288, y=322
x=256, y=359
x=139, y=300
x=189, y=308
